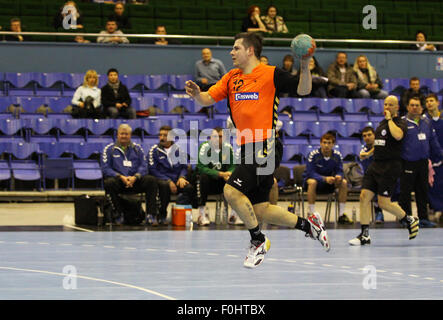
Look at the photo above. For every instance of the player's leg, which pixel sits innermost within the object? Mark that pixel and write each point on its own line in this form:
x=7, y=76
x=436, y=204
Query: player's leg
x=363, y=238
x=312, y=194
x=342, y=197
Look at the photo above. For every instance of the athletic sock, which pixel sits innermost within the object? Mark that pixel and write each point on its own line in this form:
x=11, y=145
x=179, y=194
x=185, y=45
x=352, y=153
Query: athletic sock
x=256, y=235
x=341, y=208
x=406, y=219
x=312, y=208
x=365, y=230
x=303, y=224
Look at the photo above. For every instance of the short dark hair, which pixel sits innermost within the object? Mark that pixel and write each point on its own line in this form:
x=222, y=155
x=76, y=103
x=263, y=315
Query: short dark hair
x=218, y=129
x=111, y=70
x=165, y=127
x=432, y=95
x=328, y=136
x=422, y=32
x=414, y=79
x=15, y=19
x=368, y=128
x=111, y=19
x=251, y=39
x=414, y=97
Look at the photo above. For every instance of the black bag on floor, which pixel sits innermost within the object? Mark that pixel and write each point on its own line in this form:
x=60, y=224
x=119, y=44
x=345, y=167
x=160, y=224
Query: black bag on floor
x=133, y=212
x=86, y=210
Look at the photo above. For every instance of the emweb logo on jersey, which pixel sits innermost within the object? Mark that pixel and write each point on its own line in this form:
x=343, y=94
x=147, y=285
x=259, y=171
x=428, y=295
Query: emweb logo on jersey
x=246, y=96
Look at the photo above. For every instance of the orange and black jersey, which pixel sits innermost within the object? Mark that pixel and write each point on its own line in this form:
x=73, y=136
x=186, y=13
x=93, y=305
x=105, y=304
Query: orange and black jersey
x=253, y=99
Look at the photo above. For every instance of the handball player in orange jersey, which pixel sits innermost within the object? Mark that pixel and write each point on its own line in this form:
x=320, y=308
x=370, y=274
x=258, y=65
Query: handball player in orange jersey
x=252, y=91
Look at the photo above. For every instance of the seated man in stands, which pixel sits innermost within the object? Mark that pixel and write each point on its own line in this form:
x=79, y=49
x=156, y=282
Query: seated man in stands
x=119, y=16
x=324, y=173
x=15, y=26
x=86, y=102
x=414, y=90
x=112, y=29
x=342, y=78
x=215, y=165
x=369, y=84
x=208, y=70
x=161, y=30
x=166, y=164
x=125, y=171
x=115, y=98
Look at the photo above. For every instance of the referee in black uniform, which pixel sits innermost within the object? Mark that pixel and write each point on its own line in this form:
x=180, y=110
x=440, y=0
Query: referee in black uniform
x=383, y=172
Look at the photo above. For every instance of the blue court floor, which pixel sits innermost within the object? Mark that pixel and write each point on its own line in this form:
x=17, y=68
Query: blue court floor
x=208, y=265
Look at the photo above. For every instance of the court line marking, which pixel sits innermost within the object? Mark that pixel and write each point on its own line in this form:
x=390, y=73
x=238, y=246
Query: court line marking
x=77, y=228
x=92, y=279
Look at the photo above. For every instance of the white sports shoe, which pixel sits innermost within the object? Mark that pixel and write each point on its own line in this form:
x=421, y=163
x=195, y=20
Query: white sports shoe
x=203, y=220
x=235, y=219
x=360, y=240
x=318, y=231
x=256, y=253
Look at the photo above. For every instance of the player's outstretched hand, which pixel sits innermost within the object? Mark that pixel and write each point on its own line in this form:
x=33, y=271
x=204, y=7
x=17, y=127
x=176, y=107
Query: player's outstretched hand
x=192, y=88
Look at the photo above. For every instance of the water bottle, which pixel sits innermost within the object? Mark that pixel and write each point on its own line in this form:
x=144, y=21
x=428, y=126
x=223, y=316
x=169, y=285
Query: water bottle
x=218, y=214
x=354, y=214
x=189, y=222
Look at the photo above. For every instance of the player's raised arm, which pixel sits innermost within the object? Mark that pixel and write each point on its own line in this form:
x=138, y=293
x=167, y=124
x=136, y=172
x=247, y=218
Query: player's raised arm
x=305, y=84
x=203, y=98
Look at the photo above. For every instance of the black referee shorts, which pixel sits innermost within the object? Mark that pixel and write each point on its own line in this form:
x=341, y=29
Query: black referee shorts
x=381, y=177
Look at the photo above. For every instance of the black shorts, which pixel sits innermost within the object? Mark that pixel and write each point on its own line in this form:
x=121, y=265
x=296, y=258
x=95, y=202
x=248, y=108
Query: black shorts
x=255, y=187
x=381, y=177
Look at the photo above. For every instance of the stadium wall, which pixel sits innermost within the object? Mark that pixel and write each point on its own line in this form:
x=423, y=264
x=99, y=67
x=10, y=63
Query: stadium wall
x=151, y=59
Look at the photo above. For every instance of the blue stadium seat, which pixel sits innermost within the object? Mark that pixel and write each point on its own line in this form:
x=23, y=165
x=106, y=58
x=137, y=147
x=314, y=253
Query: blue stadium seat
x=362, y=105
x=336, y=117
x=58, y=104
x=19, y=79
x=348, y=128
x=305, y=116
x=289, y=127
x=133, y=81
x=85, y=150
x=221, y=106
x=31, y=104
x=5, y=172
x=430, y=83
x=26, y=170
x=155, y=82
x=11, y=127
x=398, y=85
x=22, y=150
x=349, y=147
x=69, y=126
x=57, y=168
x=39, y=125
x=327, y=105
x=178, y=81
x=440, y=85
x=54, y=149
x=305, y=104
x=348, y=105
x=87, y=170
x=387, y=86
x=289, y=151
x=376, y=106
x=286, y=102
x=5, y=102
x=375, y=119
x=99, y=126
x=50, y=79
x=357, y=116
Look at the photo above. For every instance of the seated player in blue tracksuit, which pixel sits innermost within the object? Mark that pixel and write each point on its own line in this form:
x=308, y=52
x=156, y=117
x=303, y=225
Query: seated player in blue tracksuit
x=169, y=166
x=125, y=171
x=324, y=173
x=366, y=157
x=436, y=190
x=420, y=144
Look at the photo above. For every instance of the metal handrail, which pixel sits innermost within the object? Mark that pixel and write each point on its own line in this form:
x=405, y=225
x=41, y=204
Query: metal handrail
x=178, y=36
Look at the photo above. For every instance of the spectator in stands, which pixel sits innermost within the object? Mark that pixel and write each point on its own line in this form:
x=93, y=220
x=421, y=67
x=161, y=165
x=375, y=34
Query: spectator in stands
x=119, y=16
x=342, y=78
x=86, y=102
x=273, y=22
x=115, y=98
x=112, y=29
x=422, y=46
x=208, y=70
x=264, y=60
x=253, y=22
x=414, y=90
x=369, y=84
x=288, y=64
x=324, y=173
x=15, y=26
x=125, y=171
x=319, y=79
x=61, y=19
x=81, y=39
x=161, y=30
x=167, y=166
x=436, y=188
x=215, y=165
x=419, y=145
x=366, y=157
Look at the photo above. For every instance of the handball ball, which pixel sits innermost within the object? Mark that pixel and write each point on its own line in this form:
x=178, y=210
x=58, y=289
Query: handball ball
x=303, y=46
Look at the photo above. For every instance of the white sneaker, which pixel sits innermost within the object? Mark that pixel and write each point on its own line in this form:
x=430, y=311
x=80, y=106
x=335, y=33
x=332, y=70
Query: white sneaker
x=318, y=230
x=256, y=253
x=203, y=220
x=360, y=240
x=234, y=219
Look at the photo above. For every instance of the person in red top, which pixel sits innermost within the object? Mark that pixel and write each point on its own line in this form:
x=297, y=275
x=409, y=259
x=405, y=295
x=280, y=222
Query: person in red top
x=252, y=91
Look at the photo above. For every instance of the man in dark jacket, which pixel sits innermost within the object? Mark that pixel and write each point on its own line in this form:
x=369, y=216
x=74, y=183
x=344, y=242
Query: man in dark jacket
x=125, y=171
x=342, y=78
x=115, y=98
x=168, y=164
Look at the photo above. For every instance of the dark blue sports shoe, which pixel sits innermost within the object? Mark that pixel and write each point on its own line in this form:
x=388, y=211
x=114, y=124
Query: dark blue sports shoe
x=379, y=218
x=425, y=223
